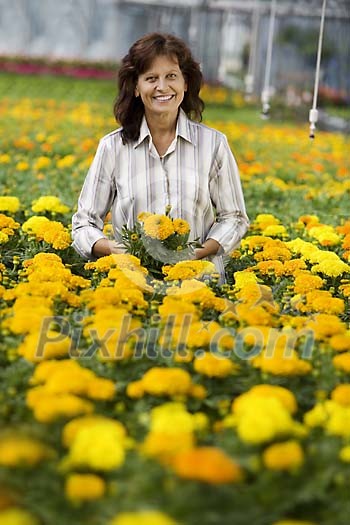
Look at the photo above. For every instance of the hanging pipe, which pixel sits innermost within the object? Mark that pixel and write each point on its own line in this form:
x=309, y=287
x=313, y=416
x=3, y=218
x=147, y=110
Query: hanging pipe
x=266, y=92
x=250, y=77
x=313, y=115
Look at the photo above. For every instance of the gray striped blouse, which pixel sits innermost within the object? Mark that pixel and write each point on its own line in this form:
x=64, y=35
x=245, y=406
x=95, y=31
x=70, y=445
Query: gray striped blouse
x=197, y=177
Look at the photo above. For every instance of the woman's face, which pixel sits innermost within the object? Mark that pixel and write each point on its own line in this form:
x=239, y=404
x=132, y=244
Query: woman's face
x=161, y=87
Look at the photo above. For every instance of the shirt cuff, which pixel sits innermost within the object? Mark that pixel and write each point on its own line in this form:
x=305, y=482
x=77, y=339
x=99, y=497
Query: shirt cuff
x=84, y=241
x=227, y=238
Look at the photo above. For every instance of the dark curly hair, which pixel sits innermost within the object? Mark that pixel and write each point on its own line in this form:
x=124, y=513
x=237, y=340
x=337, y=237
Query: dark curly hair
x=128, y=109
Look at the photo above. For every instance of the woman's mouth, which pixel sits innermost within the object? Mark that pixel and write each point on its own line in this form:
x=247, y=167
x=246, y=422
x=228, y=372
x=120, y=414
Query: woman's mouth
x=164, y=98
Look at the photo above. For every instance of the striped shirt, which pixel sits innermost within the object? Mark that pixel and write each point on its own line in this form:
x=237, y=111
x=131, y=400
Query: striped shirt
x=197, y=177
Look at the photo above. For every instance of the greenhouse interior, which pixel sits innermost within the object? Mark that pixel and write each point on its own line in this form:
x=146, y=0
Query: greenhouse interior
x=174, y=262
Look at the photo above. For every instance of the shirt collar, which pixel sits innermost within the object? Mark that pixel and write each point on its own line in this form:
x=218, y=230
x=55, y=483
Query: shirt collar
x=183, y=129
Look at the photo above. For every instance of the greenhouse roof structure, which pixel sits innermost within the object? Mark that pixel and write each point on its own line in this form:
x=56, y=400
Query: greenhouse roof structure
x=312, y=8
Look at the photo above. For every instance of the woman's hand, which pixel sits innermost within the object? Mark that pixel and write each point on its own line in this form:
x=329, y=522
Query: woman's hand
x=210, y=247
x=106, y=247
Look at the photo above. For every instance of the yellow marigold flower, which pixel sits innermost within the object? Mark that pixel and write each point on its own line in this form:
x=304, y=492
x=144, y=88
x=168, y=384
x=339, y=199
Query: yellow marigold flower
x=243, y=278
x=338, y=423
x=22, y=451
x=317, y=416
x=158, y=226
x=121, y=261
x=309, y=220
x=325, y=235
x=344, y=454
x=34, y=223
x=282, y=362
x=283, y=456
x=250, y=315
x=143, y=216
x=207, y=464
x=253, y=293
x=9, y=204
x=181, y=226
x=8, y=225
x=72, y=428
x=166, y=381
x=273, y=250
x=170, y=417
x=315, y=256
x=262, y=220
x=325, y=326
x=46, y=371
x=321, y=301
x=3, y=237
x=306, y=282
x=340, y=342
x=135, y=389
x=342, y=362
x=41, y=162
x=201, y=334
x=285, y=396
x=193, y=291
x=345, y=290
x=261, y=420
x=101, y=388
x=48, y=408
x=65, y=162
x=84, y=487
x=17, y=516
x=293, y=266
x=299, y=246
x=57, y=236
x=54, y=233
x=69, y=377
x=55, y=346
x=22, y=165
x=27, y=319
x=341, y=394
x=331, y=268
x=274, y=230
x=98, y=447
x=142, y=517
x=214, y=365
x=164, y=445
x=49, y=203
x=252, y=242
x=188, y=270
x=178, y=307
x=270, y=267
x=5, y=158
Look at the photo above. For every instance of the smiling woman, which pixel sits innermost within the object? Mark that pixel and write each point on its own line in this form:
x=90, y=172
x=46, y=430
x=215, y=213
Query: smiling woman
x=162, y=158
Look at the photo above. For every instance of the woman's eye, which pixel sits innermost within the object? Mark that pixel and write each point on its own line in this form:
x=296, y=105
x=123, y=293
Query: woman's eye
x=172, y=75
x=150, y=79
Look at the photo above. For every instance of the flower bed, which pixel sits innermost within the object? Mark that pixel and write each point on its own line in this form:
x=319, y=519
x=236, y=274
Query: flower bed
x=128, y=399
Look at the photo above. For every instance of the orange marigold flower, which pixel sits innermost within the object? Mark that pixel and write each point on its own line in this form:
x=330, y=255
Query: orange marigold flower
x=270, y=267
x=208, y=464
x=306, y=282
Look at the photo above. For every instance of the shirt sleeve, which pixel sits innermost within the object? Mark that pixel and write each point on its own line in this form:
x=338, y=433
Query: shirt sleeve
x=231, y=222
x=95, y=201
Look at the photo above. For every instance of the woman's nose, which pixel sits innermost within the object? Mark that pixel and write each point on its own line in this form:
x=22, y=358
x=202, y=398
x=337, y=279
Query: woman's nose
x=162, y=84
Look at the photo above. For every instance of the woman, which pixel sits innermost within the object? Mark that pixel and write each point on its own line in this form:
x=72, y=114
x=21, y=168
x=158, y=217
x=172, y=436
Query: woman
x=161, y=157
